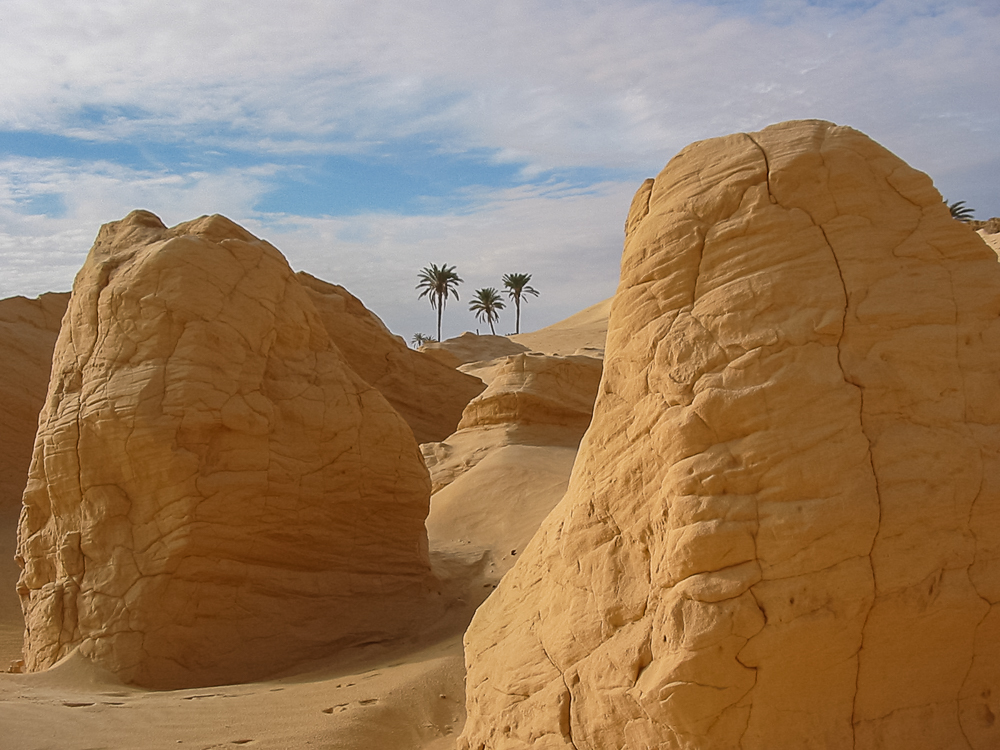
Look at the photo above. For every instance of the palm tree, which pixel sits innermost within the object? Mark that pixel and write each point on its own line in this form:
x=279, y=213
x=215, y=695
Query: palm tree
x=960, y=211
x=419, y=339
x=487, y=306
x=517, y=287
x=437, y=283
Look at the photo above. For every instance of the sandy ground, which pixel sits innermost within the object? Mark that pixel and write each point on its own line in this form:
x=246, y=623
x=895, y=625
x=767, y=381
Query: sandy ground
x=408, y=696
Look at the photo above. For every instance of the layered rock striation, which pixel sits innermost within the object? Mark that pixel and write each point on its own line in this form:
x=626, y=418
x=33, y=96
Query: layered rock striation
x=214, y=492
x=783, y=526
x=429, y=395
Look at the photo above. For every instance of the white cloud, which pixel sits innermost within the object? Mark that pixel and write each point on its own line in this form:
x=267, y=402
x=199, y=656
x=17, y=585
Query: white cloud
x=615, y=84
x=43, y=251
x=557, y=83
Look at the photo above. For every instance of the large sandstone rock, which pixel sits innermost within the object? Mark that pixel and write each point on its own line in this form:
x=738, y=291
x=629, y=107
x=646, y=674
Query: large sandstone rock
x=783, y=527
x=28, y=330
x=214, y=492
x=430, y=396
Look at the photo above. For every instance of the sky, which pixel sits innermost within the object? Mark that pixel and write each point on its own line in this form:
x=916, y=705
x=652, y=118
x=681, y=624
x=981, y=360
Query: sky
x=367, y=140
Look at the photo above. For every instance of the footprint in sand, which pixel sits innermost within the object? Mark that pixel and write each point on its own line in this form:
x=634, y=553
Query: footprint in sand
x=340, y=707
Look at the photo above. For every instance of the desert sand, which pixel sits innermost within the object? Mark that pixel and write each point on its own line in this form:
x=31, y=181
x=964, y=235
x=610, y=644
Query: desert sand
x=702, y=505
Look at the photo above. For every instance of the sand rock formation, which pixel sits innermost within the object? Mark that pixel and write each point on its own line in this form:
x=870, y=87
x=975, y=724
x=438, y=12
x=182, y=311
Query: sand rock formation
x=214, y=493
x=533, y=399
x=430, y=396
x=533, y=389
x=471, y=347
x=28, y=330
x=783, y=527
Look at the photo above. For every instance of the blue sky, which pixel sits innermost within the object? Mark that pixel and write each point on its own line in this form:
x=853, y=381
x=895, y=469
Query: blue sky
x=369, y=139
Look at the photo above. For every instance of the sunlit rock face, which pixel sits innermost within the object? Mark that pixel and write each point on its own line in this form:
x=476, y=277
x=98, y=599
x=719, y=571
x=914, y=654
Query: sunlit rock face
x=783, y=526
x=214, y=493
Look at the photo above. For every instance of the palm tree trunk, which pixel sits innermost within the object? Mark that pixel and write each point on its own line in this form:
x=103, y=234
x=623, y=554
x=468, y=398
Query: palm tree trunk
x=439, y=318
x=517, y=306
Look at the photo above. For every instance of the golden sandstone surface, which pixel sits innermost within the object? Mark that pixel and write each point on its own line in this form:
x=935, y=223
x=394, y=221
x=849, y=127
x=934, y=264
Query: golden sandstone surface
x=213, y=492
x=783, y=526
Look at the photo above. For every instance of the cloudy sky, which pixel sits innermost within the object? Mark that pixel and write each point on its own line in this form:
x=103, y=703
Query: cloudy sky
x=369, y=139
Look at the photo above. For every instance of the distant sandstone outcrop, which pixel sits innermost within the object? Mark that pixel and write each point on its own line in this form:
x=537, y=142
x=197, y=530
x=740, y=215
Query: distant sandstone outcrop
x=429, y=395
x=214, y=492
x=28, y=330
x=532, y=399
x=538, y=389
x=783, y=526
x=471, y=347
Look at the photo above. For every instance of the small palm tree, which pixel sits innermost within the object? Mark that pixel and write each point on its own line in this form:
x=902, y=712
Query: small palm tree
x=960, y=211
x=486, y=304
x=419, y=339
x=437, y=282
x=517, y=287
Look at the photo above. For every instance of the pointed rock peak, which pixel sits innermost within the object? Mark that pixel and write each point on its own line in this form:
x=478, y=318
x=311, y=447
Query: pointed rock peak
x=214, y=228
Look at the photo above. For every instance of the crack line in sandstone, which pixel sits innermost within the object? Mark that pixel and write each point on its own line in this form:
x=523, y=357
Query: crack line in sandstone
x=569, y=693
x=871, y=461
x=861, y=421
x=767, y=167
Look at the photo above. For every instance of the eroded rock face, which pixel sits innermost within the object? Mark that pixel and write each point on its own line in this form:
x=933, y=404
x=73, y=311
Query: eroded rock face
x=28, y=330
x=783, y=527
x=214, y=493
x=430, y=396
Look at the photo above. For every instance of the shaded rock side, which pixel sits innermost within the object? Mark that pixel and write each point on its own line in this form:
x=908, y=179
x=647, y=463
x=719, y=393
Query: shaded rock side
x=533, y=399
x=471, y=347
x=783, y=525
x=430, y=396
x=214, y=493
x=28, y=330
